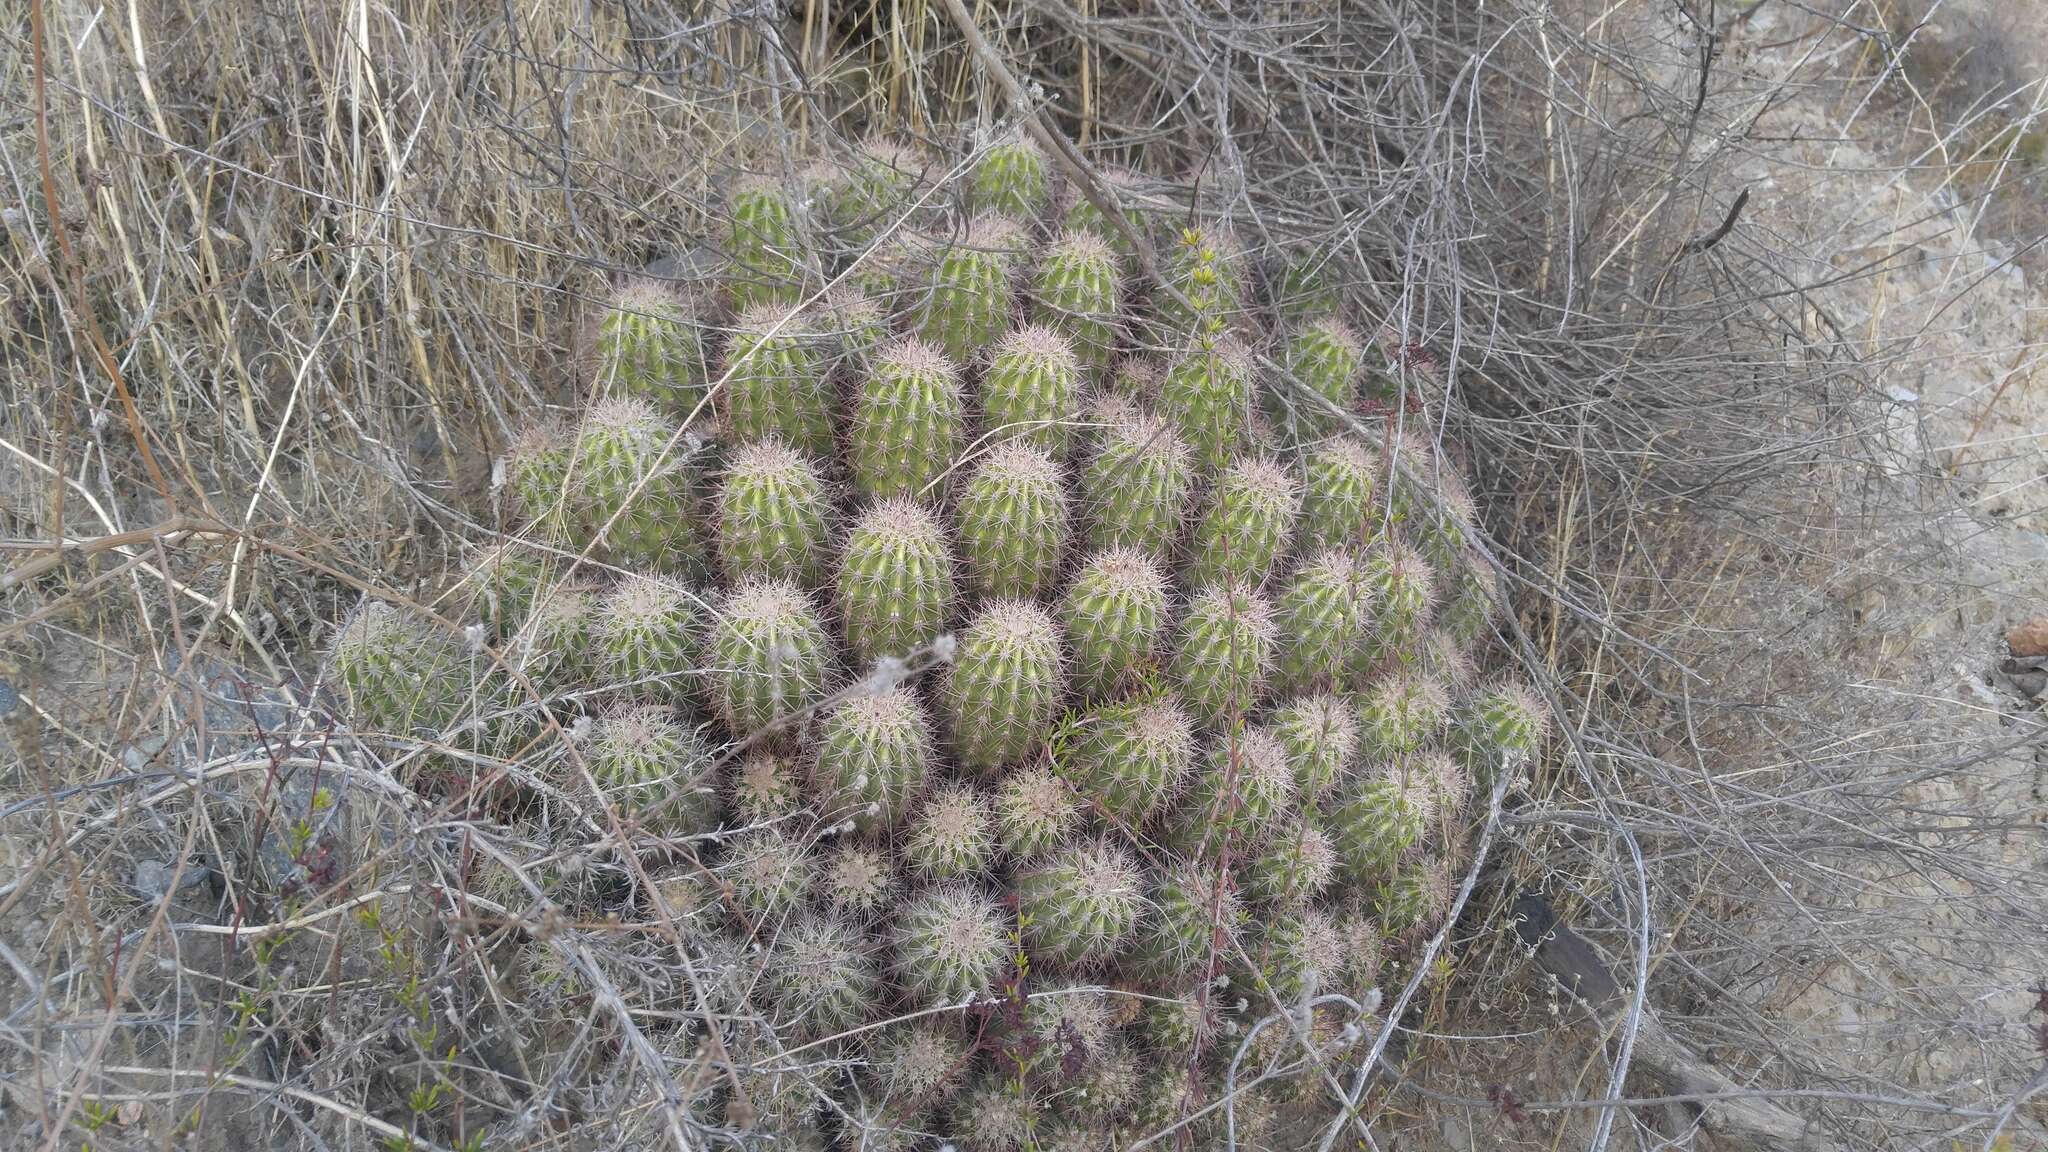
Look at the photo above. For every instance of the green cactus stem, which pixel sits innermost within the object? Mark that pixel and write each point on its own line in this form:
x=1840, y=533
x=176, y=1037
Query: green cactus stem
x=771, y=515
x=1326, y=620
x=768, y=656
x=1077, y=291
x=646, y=639
x=1338, y=507
x=1035, y=812
x=1136, y=486
x=1031, y=389
x=1115, y=617
x=775, y=381
x=1225, y=654
x=1248, y=524
x=1320, y=736
x=1012, y=518
x=1005, y=682
x=649, y=346
x=896, y=584
x=951, y=944
x=1079, y=904
x=1128, y=757
x=1207, y=394
x=874, y=752
x=908, y=425
x=764, y=241
x=1011, y=178
x=972, y=291
x=953, y=835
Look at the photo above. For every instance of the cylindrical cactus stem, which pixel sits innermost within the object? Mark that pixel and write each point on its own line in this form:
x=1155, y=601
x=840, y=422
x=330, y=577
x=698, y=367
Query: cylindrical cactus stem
x=1324, y=355
x=649, y=346
x=1338, y=505
x=1225, y=654
x=1326, y=619
x=1441, y=527
x=951, y=943
x=874, y=752
x=857, y=884
x=822, y=979
x=1177, y=1029
x=1011, y=178
x=876, y=189
x=1248, y=524
x=1137, y=483
x=1320, y=736
x=768, y=873
x=907, y=422
x=1012, y=518
x=896, y=585
x=646, y=639
x=536, y=470
x=1241, y=792
x=1415, y=899
x=1115, y=616
x=1361, y=949
x=1103, y=1094
x=1005, y=682
x=1129, y=757
x=1399, y=715
x=971, y=293
x=953, y=835
x=1404, y=599
x=1468, y=608
x=555, y=647
x=656, y=769
x=1035, y=812
x=1501, y=729
x=1079, y=904
x=395, y=673
x=632, y=490
x=766, y=786
x=919, y=1064
x=996, y=1114
x=1296, y=956
x=1450, y=791
x=1077, y=292
x=1202, y=265
x=771, y=515
x=1190, y=919
x=504, y=581
x=1166, y=1098
x=1306, y=290
x=1380, y=819
x=1207, y=394
x=766, y=246
x=1031, y=389
x=1081, y=216
x=775, y=381
x=855, y=324
x=1297, y=863
x=768, y=655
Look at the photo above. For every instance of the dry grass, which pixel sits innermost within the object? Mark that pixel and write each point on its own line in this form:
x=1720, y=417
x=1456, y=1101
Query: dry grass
x=306, y=268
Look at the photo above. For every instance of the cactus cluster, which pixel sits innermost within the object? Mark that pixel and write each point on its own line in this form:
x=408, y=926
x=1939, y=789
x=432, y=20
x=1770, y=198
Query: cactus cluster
x=952, y=657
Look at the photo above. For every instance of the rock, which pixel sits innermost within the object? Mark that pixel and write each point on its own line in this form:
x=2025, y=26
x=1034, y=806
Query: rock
x=2029, y=638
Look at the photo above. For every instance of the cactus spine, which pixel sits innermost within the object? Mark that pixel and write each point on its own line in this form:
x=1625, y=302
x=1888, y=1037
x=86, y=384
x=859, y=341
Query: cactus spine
x=1077, y=291
x=907, y=424
x=1400, y=715
x=1013, y=522
x=896, y=588
x=767, y=872
x=857, y=884
x=768, y=656
x=1404, y=597
x=1187, y=922
x=1504, y=727
x=1297, y=864
x=1380, y=820
x=1248, y=524
x=1243, y=788
x=1004, y=685
x=771, y=515
x=822, y=978
x=1031, y=389
x=874, y=752
x=1114, y=614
